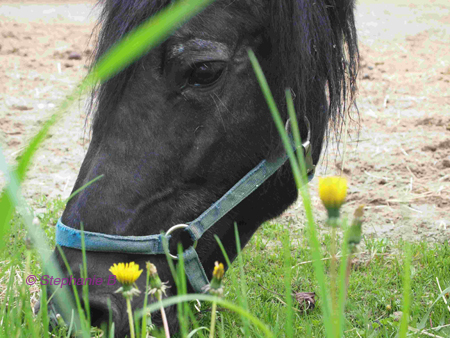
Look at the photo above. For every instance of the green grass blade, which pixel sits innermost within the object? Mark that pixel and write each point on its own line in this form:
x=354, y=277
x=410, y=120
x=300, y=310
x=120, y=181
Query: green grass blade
x=276, y=116
x=83, y=187
x=110, y=319
x=424, y=319
x=136, y=43
x=148, y=35
x=69, y=331
x=312, y=233
x=297, y=137
x=320, y=278
x=84, y=274
x=182, y=290
x=25, y=157
x=81, y=313
x=242, y=277
x=44, y=311
x=7, y=201
x=144, y=318
x=8, y=295
x=222, y=248
x=203, y=297
x=289, y=326
x=233, y=280
x=193, y=332
x=169, y=258
x=38, y=237
x=406, y=292
x=342, y=282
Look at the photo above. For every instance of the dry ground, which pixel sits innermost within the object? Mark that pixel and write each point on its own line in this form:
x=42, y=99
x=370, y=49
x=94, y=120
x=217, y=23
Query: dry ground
x=397, y=158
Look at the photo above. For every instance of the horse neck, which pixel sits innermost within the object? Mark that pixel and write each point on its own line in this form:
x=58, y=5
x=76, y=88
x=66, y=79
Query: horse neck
x=267, y=202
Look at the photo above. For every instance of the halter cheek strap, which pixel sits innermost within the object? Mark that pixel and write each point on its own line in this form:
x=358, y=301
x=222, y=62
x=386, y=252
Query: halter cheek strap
x=153, y=244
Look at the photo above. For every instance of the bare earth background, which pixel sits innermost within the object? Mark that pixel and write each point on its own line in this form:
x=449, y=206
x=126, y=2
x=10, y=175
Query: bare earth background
x=397, y=158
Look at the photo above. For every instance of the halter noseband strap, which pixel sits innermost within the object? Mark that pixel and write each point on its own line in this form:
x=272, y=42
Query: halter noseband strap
x=153, y=244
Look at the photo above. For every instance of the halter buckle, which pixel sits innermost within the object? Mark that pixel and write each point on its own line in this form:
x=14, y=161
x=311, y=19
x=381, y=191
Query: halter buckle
x=172, y=229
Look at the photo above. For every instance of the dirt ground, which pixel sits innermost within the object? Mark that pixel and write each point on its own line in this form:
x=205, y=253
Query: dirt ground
x=397, y=157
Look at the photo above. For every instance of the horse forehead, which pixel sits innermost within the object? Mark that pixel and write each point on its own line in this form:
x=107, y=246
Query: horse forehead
x=223, y=21
x=196, y=45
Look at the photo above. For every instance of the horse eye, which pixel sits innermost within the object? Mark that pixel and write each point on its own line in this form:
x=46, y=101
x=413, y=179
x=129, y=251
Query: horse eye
x=205, y=73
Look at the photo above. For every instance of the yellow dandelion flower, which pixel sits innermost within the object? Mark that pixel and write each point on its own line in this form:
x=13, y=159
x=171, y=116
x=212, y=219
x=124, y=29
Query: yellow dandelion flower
x=219, y=270
x=332, y=192
x=126, y=273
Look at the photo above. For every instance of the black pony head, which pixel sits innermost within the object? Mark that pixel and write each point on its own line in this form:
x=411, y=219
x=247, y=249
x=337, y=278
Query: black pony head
x=179, y=127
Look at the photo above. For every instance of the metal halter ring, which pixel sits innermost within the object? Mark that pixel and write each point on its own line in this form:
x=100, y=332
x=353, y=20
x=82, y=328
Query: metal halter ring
x=176, y=227
x=287, y=127
x=306, y=145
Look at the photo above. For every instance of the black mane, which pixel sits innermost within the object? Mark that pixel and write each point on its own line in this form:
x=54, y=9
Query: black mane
x=316, y=54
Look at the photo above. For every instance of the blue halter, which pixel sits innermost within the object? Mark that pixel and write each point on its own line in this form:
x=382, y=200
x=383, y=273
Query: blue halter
x=153, y=244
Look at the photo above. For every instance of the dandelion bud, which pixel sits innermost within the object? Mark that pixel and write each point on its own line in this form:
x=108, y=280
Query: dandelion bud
x=355, y=231
x=156, y=286
x=154, y=281
x=215, y=287
x=61, y=322
x=151, y=268
x=219, y=271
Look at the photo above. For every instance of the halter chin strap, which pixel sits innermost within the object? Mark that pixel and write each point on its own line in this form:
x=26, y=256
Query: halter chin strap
x=153, y=244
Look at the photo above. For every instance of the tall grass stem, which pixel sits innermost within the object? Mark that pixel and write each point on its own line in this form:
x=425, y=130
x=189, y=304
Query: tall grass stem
x=406, y=292
x=145, y=313
x=163, y=316
x=213, y=320
x=287, y=283
x=243, y=288
x=300, y=181
x=130, y=317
